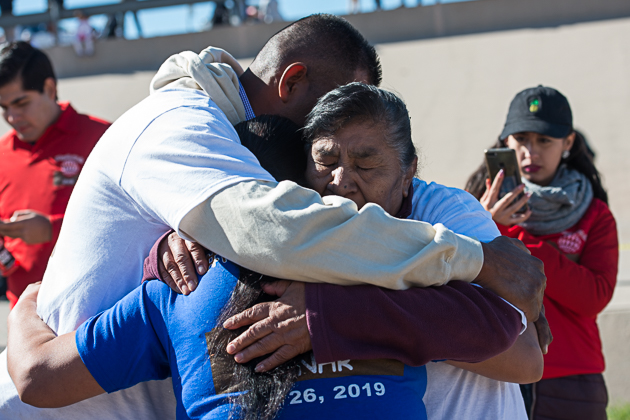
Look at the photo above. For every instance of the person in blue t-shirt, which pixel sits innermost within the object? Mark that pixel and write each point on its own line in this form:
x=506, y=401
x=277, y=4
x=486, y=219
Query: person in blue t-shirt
x=154, y=333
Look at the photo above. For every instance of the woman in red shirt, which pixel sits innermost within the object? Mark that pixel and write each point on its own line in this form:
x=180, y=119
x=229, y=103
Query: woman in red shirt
x=569, y=226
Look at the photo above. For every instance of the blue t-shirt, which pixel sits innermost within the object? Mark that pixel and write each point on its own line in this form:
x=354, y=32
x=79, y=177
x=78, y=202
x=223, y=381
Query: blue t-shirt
x=362, y=389
x=154, y=333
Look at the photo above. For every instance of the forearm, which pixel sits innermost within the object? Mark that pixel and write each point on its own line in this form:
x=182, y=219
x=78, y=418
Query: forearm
x=288, y=232
x=46, y=370
x=150, y=268
x=522, y=363
x=456, y=321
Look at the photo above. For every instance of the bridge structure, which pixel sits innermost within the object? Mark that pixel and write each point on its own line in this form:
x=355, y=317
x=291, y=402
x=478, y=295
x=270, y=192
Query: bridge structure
x=457, y=66
x=56, y=13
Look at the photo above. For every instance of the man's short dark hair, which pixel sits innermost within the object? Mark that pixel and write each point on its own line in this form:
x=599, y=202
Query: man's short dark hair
x=21, y=60
x=332, y=46
x=277, y=144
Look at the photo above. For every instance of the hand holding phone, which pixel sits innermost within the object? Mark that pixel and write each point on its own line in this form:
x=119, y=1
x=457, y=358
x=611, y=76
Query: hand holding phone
x=504, y=197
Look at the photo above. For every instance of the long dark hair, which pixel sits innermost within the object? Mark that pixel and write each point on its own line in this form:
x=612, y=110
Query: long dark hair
x=277, y=144
x=579, y=159
x=253, y=395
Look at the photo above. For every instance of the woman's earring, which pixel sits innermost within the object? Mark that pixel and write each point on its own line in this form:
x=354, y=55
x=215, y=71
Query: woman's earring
x=565, y=154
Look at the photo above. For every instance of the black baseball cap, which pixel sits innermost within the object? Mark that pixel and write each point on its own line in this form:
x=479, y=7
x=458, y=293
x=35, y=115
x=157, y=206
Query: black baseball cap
x=541, y=110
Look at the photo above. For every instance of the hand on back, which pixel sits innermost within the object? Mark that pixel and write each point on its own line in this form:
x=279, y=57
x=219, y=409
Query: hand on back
x=180, y=261
x=276, y=329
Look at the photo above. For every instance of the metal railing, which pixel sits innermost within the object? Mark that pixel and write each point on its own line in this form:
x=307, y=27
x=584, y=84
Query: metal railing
x=55, y=14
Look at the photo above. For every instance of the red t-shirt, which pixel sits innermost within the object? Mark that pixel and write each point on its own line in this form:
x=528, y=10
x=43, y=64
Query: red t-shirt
x=576, y=291
x=41, y=177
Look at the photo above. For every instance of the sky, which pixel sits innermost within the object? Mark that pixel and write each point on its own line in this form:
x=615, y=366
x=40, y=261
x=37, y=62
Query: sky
x=183, y=19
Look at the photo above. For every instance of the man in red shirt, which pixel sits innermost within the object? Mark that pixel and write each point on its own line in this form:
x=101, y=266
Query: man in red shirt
x=40, y=161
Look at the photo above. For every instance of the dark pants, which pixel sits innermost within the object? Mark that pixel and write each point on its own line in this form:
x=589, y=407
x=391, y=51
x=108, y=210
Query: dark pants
x=3, y=288
x=578, y=397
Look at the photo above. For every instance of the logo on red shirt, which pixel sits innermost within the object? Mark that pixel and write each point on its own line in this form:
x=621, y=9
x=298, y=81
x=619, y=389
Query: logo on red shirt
x=572, y=242
x=70, y=165
x=69, y=168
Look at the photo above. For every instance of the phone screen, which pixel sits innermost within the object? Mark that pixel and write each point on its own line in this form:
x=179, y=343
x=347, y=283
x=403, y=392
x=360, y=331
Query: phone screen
x=505, y=158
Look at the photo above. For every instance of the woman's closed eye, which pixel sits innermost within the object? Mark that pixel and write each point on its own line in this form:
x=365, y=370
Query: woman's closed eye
x=361, y=168
x=368, y=163
x=325, y=164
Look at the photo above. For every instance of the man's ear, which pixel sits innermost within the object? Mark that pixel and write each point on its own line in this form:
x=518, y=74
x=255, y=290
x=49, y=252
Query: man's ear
x=50, y=88
x=408, y=176
x=293, y=81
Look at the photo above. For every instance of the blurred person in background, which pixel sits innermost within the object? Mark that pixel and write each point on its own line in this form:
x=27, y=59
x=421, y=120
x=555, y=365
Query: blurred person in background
x=354, y=6
x=268, y=10
x=115, y=26
x=84, y=37
x=54, y=9
x=6, y=9
x=221, y=15
x=41, y=158
x=251, y=14
x=570, y=228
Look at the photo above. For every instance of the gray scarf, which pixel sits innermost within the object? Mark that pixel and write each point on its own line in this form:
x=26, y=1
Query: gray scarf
x=559, y=205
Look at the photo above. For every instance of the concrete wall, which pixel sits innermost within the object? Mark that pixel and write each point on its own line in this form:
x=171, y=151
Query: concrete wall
x=614, y=327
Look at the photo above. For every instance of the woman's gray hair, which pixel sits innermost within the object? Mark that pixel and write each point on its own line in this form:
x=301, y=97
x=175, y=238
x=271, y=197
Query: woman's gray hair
x=358, y=102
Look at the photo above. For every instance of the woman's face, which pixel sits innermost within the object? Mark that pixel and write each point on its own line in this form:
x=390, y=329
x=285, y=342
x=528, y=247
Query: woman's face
x=356, y=163
x=538, y=155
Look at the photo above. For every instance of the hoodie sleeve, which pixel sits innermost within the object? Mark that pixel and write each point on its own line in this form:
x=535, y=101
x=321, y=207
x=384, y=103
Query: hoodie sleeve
x=289, y=232
x=456, y=321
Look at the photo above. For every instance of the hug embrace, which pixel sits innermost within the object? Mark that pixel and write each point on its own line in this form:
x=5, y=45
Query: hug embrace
x=356, y=276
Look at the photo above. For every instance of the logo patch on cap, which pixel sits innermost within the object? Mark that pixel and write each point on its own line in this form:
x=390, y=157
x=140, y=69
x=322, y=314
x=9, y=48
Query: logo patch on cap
x=534, y=105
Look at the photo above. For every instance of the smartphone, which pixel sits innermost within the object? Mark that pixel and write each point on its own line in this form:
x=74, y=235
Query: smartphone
x=505, y=158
